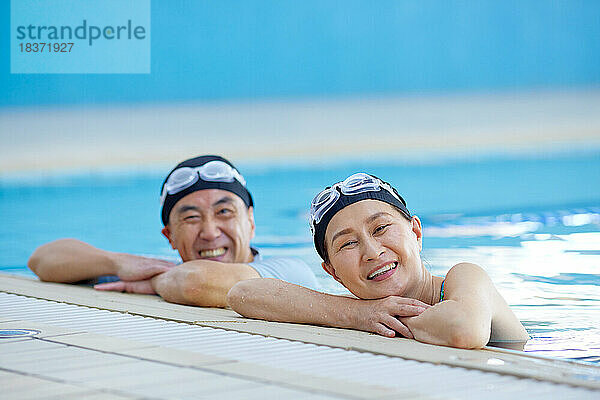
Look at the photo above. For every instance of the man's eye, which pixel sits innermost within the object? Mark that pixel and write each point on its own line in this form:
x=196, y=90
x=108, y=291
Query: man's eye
x=380, y=228
x=191, y=218
x=224, y=211
x=349, y=243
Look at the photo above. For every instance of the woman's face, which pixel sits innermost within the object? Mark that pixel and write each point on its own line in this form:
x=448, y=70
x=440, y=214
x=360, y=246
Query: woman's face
x=374, y=250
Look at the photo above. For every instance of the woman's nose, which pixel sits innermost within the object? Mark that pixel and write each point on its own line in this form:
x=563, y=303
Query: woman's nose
x=372, y=250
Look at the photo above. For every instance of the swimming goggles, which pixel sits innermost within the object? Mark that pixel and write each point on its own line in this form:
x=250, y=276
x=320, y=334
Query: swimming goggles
x=213, y=171
x=352, y=185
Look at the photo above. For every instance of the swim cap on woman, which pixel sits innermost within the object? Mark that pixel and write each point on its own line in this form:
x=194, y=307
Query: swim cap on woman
x=204, y=172
x=357, y=187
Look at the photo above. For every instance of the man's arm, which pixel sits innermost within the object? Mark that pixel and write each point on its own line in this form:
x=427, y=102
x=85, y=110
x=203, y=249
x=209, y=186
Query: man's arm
x=70, y=260
x=276, y=300
x=206, y=283
x=201, y=282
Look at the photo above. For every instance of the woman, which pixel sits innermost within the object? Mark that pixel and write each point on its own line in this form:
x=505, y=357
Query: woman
x=371, y=244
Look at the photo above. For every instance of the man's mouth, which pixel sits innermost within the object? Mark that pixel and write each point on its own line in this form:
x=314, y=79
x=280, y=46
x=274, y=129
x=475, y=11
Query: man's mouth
x=212, y=253
x=381, y=271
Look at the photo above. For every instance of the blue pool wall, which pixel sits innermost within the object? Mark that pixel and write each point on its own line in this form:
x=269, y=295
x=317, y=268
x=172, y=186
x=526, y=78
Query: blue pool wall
x=224, y=50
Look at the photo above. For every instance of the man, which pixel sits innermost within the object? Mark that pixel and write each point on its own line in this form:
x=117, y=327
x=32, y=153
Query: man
x=208, y=217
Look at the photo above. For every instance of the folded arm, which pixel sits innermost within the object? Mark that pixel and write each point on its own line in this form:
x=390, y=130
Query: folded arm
x=451, y=323
x=464, y=319
x=201, y=282
x=276, y=300
x=71, y=260
x=471, y=312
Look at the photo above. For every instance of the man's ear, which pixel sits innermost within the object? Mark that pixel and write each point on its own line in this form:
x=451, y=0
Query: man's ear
x=329, y=269
x=417, y=230
x=251, y=220
x=165, y=231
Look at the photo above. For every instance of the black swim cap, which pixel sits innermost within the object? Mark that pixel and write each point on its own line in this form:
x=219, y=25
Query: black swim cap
x=235, y=186
x=386, y=193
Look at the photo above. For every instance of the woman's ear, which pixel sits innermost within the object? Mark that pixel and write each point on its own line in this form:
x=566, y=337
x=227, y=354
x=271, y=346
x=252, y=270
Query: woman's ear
x=329, y=269
x=417, y=230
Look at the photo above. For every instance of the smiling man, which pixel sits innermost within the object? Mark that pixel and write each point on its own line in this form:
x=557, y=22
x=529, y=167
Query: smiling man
x=208, y=217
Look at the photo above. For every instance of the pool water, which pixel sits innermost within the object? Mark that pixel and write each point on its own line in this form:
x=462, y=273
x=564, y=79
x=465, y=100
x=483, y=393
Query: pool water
x=532, y=222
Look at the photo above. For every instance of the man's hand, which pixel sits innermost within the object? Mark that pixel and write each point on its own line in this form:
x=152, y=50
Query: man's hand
x=141, y=287
x=381, y=316
x=135, y=268
x=71, y=260
x=136, y=274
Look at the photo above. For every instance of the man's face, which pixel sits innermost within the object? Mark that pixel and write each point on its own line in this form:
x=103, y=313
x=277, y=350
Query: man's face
x=211, y=224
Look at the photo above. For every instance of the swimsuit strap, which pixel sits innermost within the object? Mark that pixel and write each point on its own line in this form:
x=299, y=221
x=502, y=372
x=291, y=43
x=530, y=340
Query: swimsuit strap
x=442, y=291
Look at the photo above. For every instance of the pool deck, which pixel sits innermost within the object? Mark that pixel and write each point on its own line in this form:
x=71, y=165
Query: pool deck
x=91, y=344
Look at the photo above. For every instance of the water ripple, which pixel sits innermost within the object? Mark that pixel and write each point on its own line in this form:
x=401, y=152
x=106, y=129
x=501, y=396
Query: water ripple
x=563, y=279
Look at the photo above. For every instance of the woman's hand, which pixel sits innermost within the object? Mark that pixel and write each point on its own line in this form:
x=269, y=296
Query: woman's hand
x=381, y=316
x=275, y=300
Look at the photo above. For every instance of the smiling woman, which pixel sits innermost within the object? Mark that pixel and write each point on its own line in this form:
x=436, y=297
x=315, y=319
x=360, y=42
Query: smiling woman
x=370, y=243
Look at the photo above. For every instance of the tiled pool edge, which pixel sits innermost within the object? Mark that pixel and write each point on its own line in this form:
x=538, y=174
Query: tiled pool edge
x=502, y=362
x=136, y=350
x=266, y=365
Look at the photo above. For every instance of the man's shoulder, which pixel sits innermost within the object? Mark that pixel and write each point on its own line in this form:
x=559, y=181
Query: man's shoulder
x=281, y=261
x=286, y=268
x=260, y=257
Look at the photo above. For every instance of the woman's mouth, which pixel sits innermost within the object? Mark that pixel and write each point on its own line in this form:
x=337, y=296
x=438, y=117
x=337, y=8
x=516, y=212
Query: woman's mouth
x=213, y=253
x=383, y=272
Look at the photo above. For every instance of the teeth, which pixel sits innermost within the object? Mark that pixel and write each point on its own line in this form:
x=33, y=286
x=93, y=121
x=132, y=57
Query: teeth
x=212, y=252
x=382, y=270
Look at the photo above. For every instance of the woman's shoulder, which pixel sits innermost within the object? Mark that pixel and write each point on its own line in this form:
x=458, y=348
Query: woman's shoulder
x=470, y=284
x=467, y=275
x=466, y=268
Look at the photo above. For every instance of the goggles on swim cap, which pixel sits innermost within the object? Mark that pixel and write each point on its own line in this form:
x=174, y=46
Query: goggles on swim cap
x=356, y=187
x=200, y=173
x=213, y=171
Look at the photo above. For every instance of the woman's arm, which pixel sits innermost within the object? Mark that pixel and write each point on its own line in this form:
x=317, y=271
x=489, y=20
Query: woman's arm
x=275, y=300
x=472, y=307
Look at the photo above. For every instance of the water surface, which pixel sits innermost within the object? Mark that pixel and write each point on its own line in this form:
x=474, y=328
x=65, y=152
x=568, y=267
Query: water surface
x=532, y=222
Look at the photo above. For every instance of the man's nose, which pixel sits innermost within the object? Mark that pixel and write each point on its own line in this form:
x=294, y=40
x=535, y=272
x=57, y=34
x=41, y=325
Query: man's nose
x=210, y=230
x=372, y=249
